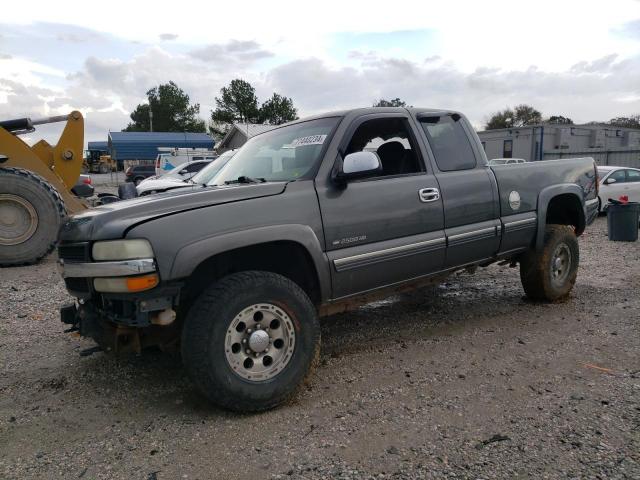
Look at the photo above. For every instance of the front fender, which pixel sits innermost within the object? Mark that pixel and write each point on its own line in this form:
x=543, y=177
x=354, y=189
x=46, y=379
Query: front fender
x=191, y=255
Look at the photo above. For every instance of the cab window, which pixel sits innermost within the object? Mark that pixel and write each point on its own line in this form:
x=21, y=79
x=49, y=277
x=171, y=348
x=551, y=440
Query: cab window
x=392, y=140
x=449, y=143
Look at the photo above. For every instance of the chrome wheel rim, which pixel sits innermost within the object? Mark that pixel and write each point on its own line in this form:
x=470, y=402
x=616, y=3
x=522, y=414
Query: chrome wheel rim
x=560, y=264
x=259, y=342
x=18, y=219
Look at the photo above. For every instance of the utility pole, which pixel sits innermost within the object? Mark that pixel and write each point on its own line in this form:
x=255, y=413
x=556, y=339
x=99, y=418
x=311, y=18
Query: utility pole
x=150, y=119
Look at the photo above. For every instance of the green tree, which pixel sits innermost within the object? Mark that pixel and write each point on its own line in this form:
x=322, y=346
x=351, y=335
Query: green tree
x=626, y=122
x=396, y=102
x=171, y=110
x=277, y=110
x=520, y=116
x=559, y=120
x=236, y=103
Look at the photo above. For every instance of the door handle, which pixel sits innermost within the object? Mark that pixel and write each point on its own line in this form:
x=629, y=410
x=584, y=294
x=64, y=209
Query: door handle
x=427, y=195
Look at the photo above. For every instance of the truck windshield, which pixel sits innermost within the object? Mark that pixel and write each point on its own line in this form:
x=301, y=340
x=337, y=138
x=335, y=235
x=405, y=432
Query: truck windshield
x=285, y=154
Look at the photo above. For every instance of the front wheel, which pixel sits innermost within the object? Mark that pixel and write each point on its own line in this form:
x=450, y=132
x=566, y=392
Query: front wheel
x=251, y=340
x=549, y=275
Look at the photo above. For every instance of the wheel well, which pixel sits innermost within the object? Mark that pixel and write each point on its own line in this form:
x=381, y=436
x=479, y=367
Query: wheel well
x=566, y=209
x=287, y=258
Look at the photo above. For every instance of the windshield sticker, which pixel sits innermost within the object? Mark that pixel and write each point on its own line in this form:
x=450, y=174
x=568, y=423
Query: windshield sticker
x=304, y=141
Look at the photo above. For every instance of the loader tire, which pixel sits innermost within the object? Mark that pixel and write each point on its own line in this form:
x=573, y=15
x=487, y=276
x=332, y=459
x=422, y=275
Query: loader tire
x=31, y=212
x=550, y=274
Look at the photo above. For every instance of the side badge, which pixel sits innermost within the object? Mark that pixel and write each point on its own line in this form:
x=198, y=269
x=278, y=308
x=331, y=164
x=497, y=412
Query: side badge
x=514, y=200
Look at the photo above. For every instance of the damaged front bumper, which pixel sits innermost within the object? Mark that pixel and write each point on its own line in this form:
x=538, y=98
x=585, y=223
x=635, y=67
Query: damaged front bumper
x=118, y=320
x=124, y=323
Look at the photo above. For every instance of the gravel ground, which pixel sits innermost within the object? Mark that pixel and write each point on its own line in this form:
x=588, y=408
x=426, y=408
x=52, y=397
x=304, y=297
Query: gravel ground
x=464, y=380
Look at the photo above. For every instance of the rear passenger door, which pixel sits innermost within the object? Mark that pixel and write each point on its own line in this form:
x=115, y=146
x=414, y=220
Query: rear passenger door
x=467, y=188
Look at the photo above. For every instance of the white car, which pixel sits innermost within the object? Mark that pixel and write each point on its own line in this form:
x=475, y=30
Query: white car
x=506, y=161
x=618, y=181
x=162, y=184
x=169, y=158
x=180, y=174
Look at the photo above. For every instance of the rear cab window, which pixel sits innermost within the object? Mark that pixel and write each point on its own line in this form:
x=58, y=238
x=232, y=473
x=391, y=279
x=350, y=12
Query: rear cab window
x=449, y=142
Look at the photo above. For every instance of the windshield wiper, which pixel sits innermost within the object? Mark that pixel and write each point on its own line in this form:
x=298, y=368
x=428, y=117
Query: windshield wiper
x=245, y=179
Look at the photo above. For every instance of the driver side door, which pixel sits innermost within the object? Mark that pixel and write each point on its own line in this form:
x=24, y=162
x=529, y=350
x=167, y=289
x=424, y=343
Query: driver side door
x=388, y=228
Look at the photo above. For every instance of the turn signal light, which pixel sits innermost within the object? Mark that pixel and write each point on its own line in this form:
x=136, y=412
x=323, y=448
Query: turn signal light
x=126, y=284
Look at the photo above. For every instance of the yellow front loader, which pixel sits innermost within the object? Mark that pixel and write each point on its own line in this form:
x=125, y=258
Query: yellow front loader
x=35, y=187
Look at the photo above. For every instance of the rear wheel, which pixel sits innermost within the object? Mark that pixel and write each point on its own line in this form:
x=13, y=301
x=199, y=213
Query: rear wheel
x=31, y=212
x=250, y=341
x=549, y=275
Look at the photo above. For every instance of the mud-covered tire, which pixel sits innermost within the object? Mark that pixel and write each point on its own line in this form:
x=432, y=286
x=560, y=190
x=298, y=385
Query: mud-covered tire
x=205, y=344
x=547, y=275
x=127, y=191
x=31, y=212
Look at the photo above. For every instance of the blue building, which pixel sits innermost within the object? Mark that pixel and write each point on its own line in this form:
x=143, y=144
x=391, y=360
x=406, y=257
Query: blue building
x=101, y=146
x=144, y=145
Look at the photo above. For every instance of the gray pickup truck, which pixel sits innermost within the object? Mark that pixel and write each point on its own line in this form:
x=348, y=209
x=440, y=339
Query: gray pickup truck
x=315, y=217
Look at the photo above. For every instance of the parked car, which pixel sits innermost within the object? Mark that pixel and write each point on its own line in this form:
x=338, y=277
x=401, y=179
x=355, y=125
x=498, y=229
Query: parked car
x=305, y=221
x=169, y=158
x=615, y=182
x=138, y=173
x=184, y=171
x=506, y=161
x=165, y=183
x=83, y=187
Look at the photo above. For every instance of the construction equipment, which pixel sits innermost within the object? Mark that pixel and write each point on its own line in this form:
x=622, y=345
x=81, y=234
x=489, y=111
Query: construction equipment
x=98, y=161
x=35, y=187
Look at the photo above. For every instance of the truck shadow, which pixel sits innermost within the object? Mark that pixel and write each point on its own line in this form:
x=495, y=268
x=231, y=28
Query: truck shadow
x=157, y=380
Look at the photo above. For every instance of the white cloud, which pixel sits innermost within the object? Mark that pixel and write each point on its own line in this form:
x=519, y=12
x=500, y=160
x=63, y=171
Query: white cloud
x=573, y=58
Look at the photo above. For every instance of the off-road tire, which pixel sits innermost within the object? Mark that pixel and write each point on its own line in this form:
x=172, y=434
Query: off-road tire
x=127, y=191
x=205, y=328
x=49, y=208
x=536, y=268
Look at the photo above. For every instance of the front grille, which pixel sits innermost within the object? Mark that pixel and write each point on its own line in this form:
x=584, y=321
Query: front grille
x=77, y=284
x=74, y=252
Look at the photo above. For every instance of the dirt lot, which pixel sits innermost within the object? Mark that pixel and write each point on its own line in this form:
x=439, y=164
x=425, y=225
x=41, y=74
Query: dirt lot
x=465, y=380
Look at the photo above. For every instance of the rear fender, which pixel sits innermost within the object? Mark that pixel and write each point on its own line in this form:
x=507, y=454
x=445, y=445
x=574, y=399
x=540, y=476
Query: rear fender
x=544, y=199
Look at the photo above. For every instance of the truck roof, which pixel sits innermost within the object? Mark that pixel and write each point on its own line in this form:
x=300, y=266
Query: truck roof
x=368, y=110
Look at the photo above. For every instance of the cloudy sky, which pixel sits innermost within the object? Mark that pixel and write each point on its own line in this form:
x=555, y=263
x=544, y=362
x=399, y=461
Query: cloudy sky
x=575, y=58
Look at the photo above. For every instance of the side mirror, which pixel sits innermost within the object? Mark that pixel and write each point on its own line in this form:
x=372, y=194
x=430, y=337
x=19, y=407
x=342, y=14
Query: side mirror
x=183, y=171
x=357, y=165
x=610, y=180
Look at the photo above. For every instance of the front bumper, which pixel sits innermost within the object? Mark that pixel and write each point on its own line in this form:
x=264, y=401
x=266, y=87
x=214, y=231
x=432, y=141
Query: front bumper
x=120, y=268
x=129, y=309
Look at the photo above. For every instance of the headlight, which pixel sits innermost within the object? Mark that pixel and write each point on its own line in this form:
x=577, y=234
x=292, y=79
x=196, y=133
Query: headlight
x=122, y=249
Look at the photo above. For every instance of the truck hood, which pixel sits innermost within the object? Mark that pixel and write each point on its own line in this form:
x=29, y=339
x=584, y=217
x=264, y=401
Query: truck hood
x=114, y=219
